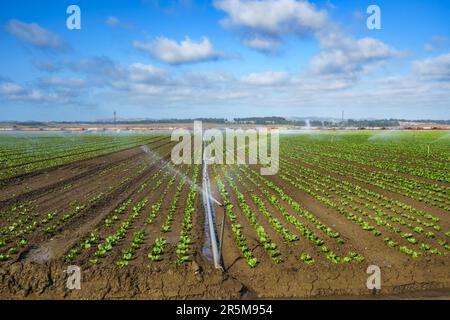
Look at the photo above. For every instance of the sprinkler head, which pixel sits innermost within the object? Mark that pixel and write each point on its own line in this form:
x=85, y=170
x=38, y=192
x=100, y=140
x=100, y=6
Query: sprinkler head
x=217, y=202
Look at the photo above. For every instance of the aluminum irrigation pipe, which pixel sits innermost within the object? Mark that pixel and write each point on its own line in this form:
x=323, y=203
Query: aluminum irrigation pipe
x=222, y=228
x=209, y=209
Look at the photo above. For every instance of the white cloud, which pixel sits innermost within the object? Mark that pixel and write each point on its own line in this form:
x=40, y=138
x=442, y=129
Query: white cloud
x=206, y=79
x=269, y=78
x=264, y=22
x=343, y=55
x=437, y=68
x=34, y=34
x=272, y=16
x=14, y=92
x=139, y=72
x=10, y=89
x=265, y=44
x=172, y=52
x=142, y=79
x=144, y=89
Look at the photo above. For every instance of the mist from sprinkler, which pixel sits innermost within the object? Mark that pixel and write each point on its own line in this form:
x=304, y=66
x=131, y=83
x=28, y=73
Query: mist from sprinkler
x=180, y=174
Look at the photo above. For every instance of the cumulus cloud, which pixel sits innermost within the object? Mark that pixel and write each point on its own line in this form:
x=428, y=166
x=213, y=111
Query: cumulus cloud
x=102, y=71
x=261, y=43
x=268, y=78
x=342, y=54
x=263, y=22
x=34, y=34
x=10, y=89
x=172, y=52
x=206, y=79
x=141, y=84
x=139, y=72
x=147, y=80
x=272, y=16
x=435, y=69
x=15, y=92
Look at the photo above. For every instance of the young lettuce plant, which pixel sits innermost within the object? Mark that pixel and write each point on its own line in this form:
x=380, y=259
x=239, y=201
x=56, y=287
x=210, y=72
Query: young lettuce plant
x=157, y=250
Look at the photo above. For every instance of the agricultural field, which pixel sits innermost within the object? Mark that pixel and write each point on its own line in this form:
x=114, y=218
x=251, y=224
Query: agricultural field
x=117, y=207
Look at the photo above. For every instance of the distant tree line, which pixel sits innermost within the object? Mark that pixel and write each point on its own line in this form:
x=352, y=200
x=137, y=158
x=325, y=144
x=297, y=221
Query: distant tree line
x=372, y=123
x=434, y=121
x=380, y=123
x=263, y=120
x=320, y=123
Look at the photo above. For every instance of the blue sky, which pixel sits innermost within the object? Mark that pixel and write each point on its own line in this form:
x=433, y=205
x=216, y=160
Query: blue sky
x=224, y=58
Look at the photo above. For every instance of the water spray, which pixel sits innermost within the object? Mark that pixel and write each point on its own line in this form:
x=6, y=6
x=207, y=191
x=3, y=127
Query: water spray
x=180, y=174
x=206, y=193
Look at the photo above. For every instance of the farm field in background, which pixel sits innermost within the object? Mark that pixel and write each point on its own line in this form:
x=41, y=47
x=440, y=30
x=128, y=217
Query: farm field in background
x=115, y=205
